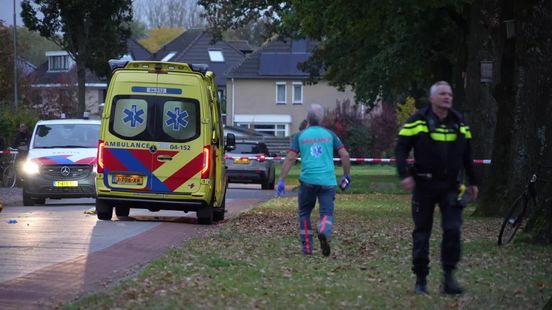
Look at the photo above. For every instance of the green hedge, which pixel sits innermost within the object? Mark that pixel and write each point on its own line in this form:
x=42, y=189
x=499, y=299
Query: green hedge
x=10, y=120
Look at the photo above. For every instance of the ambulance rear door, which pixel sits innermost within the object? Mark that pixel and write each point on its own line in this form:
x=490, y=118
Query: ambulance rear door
x=180, y=157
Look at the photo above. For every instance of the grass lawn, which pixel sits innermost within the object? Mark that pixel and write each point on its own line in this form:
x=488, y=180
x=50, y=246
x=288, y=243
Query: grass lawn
x=254, y=261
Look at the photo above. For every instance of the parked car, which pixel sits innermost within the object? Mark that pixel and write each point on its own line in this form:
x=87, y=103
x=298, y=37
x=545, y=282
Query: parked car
x=61, y=160
x=249, y=163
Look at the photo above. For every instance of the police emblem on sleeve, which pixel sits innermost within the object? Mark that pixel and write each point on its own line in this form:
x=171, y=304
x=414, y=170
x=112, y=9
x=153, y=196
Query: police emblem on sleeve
x=316, y=150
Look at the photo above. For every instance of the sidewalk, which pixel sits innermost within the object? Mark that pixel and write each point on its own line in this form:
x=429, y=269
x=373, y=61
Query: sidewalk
x=11, y=196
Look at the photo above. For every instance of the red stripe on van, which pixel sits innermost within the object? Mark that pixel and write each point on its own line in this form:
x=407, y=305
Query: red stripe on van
x=156, y=163
x=185, y=173
x=143, y=156
x=111, y=162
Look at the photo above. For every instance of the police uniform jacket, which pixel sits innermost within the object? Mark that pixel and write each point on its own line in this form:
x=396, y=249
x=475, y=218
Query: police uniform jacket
x=441, y=149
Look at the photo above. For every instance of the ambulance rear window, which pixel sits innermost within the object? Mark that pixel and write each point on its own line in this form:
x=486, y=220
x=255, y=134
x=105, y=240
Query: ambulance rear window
x=155, y=118
x=179, y=119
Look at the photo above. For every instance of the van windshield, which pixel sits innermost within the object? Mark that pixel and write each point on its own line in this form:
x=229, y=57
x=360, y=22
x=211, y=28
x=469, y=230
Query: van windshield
x=66, y=136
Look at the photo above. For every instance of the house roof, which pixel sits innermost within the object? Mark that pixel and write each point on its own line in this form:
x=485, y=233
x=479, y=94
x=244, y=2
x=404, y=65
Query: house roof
x=137, y=50
x=275, y=60
x=241, y=45
x=193, y=46
x=42, y=77
x=179, y=44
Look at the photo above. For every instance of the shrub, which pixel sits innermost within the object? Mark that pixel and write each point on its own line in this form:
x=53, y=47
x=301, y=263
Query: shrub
x=10, y=120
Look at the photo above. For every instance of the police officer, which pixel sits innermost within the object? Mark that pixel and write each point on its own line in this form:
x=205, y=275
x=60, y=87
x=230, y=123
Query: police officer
x=440, y=138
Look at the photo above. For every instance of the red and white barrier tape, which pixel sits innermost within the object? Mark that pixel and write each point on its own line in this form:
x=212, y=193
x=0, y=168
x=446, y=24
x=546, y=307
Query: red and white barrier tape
x=9, y=152
x=359, y=159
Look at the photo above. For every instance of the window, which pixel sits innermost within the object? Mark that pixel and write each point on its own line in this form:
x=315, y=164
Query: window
x=297, y=93
x=278, y=130
x=58, y=63
x=179, y=119
x=281, y=93
x=216, y=56
x=157, y=118
x=67, y=136
x=169, y=56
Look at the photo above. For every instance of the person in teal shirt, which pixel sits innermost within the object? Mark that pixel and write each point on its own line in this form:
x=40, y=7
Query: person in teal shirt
x=316, y=146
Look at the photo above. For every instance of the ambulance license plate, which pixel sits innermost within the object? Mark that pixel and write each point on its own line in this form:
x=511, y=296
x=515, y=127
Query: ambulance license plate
x=66, y=183
x=127, y=179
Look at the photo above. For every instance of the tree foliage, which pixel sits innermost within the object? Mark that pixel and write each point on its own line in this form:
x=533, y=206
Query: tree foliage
x=377, y=47
x=169, y=13
x=32, y=46
x=158, y=37
x=405, y=110
x=92, y=32
x=351, y=126
x=6, y=70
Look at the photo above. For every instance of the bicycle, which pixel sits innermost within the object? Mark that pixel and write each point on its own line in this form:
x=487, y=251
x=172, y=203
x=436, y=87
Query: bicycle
x=513, y=220
x=8, y=168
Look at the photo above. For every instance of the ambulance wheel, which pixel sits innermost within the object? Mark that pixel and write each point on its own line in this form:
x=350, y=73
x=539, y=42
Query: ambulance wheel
x=27, y=200
x=218, y=213
x=122, y=211
x=205, y=216
x=104, y=209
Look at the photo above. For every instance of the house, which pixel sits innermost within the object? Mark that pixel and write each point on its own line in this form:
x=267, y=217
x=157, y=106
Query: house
x=267, y=92
x=196, y=46
x=55, y=83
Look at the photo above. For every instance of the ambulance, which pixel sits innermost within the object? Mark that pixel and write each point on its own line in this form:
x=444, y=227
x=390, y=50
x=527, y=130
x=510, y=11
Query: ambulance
x=161, y=143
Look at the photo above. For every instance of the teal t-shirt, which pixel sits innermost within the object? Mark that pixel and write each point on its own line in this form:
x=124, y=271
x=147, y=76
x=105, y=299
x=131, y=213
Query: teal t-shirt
x=316, y=146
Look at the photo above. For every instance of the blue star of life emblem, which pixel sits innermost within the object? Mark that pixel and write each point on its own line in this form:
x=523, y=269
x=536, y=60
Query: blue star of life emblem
x=133, y=116
x=316, y=150
x=177, y=119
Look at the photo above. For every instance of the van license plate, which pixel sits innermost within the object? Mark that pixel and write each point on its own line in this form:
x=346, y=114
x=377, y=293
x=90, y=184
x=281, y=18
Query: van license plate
x=66, y=183
x=125, y=179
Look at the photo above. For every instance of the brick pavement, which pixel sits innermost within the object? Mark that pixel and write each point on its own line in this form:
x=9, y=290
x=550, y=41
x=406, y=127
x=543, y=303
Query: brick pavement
x=56, y=284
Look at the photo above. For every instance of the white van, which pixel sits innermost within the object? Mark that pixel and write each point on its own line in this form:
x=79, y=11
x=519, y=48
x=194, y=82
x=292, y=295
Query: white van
x=61, y=162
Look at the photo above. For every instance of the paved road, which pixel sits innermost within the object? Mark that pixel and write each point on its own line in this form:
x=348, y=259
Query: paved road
x=56, y=252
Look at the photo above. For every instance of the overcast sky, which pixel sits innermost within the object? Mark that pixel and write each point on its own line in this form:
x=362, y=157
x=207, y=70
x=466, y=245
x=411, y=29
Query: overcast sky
x=6, y=12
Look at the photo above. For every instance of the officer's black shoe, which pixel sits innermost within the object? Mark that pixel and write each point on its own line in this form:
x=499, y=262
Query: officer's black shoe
x=451, y=286
x=421, y=285
x=324, y=245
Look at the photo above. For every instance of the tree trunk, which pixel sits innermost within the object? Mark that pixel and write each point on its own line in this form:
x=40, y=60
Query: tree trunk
x=503, y=177
x=480, y=108
x=523, y=135
x=536, y=49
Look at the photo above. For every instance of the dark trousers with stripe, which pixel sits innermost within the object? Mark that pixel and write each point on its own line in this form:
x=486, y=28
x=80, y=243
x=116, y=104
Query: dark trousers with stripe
x=423, y=206
x=308, y=194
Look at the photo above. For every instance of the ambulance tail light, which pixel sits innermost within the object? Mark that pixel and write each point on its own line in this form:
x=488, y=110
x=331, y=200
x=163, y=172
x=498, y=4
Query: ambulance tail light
x=100, y=157
x=206, y=165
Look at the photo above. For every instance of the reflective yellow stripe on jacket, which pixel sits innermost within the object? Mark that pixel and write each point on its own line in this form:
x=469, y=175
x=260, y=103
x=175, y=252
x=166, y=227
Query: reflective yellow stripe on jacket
x=440, y=134
x=465, y=130
x=412, y=129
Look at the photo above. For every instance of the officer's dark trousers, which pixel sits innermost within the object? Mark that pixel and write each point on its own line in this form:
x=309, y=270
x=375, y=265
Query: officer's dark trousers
x=423, y=206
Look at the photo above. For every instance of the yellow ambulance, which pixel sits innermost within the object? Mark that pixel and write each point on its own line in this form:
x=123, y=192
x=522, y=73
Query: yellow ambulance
x=161, y=141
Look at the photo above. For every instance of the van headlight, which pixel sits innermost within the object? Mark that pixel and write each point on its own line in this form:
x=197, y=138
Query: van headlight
x=30, y=168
